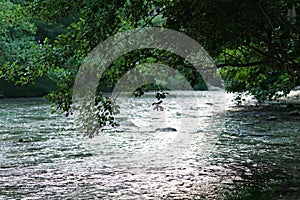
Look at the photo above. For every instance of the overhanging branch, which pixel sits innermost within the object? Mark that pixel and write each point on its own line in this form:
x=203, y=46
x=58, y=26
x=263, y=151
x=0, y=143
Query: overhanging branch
x=239, y=64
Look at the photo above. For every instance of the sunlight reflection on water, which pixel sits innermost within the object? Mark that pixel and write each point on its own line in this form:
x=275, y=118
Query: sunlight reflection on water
x=42, y=155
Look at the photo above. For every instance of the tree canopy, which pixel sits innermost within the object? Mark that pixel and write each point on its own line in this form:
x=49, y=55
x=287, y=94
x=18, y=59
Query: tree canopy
x=254, y=43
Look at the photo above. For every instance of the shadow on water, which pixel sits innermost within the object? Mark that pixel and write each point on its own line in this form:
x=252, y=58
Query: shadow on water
x=262, y=146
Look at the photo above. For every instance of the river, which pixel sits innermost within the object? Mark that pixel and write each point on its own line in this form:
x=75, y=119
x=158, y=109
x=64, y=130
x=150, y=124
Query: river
x=218, y=150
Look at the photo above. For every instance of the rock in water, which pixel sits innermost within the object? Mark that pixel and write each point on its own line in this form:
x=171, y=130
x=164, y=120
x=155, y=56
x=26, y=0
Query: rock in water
x=128, y=123
x=167, y=129
x=294, y=113
x=271, y=118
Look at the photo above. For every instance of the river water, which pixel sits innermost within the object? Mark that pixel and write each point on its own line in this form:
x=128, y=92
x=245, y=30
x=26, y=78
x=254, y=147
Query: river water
x=218, y=150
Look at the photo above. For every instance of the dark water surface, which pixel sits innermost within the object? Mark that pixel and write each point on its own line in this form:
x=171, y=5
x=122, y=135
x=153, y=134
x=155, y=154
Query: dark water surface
x=229, y=149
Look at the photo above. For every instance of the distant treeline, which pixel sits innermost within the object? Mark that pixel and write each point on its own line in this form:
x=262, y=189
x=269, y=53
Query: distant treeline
x=41, y=87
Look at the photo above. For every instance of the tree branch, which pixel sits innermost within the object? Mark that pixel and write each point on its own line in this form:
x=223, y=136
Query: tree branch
x=239, y=64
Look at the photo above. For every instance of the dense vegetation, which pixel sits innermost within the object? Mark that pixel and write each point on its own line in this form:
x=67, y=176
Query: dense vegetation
x=255, y=43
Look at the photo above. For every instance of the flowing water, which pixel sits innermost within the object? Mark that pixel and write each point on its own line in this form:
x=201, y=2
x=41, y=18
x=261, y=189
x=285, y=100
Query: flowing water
x=218, y=149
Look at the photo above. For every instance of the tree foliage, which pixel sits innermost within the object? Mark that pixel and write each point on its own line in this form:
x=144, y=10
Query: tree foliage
x=254, y=34
x=255, y=43
x=17, y=44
